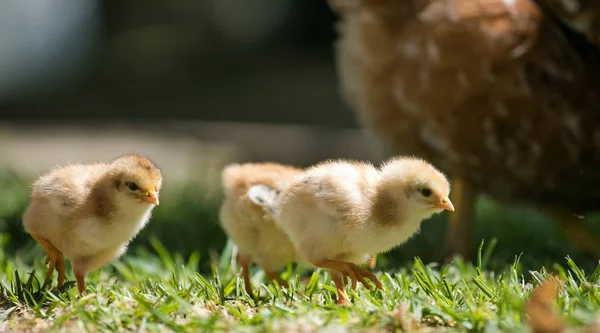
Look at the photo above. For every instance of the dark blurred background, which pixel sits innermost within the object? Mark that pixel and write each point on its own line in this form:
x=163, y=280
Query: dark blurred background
x=265, y=61
x=195, y=85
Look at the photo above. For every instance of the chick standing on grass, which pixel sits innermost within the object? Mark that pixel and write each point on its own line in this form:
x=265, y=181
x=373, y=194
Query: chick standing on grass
x=88, y=213
x=248, y=224
x=339, y=212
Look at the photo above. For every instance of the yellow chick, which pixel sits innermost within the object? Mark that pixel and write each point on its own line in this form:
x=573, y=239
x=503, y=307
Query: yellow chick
x=88, y=213
x=250, y=188
x=338, y=212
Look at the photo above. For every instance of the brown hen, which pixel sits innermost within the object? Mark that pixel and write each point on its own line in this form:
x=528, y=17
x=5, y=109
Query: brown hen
x=500, y=94
x=582, y=16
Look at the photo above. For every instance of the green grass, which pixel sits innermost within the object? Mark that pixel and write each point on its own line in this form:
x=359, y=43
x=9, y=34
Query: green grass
x=155, y=291
x=186, y=282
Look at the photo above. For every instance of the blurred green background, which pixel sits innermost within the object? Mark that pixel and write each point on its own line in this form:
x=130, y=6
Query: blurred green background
x=196, y=85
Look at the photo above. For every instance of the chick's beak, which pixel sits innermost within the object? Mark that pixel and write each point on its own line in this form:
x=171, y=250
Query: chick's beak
x=152, y=197
x=445, y=203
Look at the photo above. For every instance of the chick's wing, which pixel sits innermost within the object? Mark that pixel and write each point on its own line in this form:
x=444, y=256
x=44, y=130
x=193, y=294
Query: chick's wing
x=67, y=188
x=337, y=191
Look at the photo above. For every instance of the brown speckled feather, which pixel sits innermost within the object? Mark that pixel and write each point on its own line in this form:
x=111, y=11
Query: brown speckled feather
x=581, y=16
x=491, y=90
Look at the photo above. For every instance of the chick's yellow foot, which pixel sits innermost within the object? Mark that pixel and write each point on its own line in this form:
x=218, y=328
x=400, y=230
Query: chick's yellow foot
x=460, y=223
x=244, y=262
x=338, y=280
x=372, y=261
x=352, y=271
x=80, y=278
x=54, y=260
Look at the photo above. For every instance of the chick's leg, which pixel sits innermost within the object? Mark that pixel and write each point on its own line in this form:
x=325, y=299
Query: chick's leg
x=80, y=269
x=83, y=265
x=577, y=231
x=372, y=261
x=460, y=225
x=352, y=271
x=80, y=278
x=244, y=262
x=338, y=280
x=275, y=277
x=54, y=259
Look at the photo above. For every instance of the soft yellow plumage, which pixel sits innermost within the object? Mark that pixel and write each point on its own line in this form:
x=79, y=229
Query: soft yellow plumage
x=248, y=224
x=339, y=212
x=88, y=213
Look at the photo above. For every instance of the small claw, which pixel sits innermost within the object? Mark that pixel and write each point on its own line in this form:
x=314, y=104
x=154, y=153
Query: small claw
x=363, y=281
x=47, y=260
x=360, y=275
x=352, y=277
x=60, y=268
x=373, y=278
x=357, y=274
x=50, y=270
x=343, y=300
x=80, y=278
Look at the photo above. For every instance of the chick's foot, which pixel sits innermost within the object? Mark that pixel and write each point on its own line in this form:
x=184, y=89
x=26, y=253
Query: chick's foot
x=54, y=260
x=275, y=277
x=372, y=261
x=244, y=262
x=80, y=277
x=351, y=271
x=338, y=280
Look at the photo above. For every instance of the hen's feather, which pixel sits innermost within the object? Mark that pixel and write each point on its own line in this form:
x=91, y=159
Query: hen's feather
x=493, y=91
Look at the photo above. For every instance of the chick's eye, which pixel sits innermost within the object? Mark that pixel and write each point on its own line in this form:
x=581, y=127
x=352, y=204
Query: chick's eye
x=132, y=186
x=426, y=192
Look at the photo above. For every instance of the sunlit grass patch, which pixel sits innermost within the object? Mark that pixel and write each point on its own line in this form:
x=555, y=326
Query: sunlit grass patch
x=159, y=291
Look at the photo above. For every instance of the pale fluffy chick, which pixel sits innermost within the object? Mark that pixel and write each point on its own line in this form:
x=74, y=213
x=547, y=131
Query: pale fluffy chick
x=339, y=212
x=248, y=189
x=88, y=213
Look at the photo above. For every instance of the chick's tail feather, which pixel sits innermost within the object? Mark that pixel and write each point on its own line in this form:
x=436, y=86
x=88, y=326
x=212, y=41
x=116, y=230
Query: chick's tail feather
x=266, y=197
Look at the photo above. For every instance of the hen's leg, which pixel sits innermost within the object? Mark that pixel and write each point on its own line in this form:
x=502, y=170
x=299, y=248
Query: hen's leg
x=352, y=271
x=578, y=232
x=338, y=280
x=460, y=225
x=54, y=259
x=244, y=262
x=275, y=277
